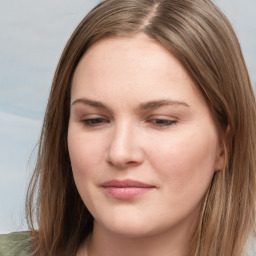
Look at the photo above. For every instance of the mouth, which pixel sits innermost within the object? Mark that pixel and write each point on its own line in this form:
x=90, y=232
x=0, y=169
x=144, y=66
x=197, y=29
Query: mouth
x=126, y=189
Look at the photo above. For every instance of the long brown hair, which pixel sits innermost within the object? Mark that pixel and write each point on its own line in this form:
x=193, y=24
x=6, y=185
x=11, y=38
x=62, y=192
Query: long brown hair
x=198, y=34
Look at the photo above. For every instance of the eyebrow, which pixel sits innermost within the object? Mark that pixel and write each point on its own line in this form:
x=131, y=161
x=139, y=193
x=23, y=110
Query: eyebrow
x=91, y=103
x=144, y=106
x=160, y=103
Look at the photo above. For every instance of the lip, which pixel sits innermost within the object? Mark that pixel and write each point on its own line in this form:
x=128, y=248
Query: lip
x=126, y=189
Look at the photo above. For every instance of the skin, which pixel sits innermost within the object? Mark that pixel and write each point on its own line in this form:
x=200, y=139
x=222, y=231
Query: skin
x=170, y=143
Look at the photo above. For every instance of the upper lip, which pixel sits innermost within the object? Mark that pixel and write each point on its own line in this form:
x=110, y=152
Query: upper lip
x=126, y=183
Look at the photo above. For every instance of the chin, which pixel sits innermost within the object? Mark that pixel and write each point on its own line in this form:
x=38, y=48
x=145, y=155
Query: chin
x=132, y=227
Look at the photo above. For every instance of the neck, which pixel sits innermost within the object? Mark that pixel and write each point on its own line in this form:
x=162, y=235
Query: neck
x=103, y=242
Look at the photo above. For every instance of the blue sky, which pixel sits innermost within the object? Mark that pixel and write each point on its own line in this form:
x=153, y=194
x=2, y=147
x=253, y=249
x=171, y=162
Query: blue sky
x=33, y=34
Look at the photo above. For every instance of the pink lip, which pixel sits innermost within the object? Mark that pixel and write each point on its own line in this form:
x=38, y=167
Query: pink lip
x=126, y=189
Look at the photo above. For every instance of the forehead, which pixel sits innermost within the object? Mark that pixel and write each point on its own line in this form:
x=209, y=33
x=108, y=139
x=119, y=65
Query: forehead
x=135, y=57
x=139, y=42
x=132, y=70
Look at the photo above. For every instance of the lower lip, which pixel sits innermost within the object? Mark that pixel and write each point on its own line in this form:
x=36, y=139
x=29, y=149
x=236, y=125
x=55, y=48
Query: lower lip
x=126, y=192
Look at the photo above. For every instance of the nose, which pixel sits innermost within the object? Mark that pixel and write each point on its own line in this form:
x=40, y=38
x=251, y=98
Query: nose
x=125, y=149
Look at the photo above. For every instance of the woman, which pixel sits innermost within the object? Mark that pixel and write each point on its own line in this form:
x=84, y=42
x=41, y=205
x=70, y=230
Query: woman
x=148, y=143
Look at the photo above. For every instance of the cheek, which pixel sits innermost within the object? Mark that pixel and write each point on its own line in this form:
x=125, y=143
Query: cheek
x=84, y=154
x=186, y=164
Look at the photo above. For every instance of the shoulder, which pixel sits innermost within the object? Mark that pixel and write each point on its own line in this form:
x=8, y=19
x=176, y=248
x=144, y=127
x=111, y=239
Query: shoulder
x=15, y=244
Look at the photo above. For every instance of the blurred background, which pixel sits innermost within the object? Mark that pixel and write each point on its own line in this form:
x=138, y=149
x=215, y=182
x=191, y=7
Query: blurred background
x=32, y=37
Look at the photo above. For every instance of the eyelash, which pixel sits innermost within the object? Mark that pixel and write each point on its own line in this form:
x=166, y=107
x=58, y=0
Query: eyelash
x=163, y=122
x=92, y=122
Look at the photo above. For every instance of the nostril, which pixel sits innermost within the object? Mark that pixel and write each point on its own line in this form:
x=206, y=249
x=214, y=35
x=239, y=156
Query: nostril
x=123, y=158
x=123, y=165
x=124, y=148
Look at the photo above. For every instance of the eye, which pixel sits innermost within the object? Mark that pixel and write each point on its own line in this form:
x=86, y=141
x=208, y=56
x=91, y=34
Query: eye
x=163, y=122
x=94, y=121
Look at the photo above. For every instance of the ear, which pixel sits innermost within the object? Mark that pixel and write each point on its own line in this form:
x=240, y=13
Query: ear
x=220, y=162
x=222, y=156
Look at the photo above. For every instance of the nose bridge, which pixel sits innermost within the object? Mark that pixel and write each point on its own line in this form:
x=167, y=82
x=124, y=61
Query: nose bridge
x=125, y=148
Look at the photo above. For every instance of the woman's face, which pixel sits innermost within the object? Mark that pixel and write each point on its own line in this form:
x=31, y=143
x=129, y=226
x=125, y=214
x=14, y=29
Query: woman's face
x=142, y=142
